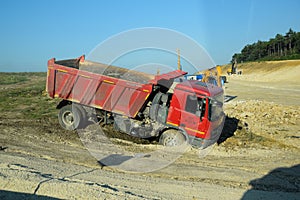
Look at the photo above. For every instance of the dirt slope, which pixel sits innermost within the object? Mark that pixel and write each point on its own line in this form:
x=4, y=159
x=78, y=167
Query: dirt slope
x=286, y=71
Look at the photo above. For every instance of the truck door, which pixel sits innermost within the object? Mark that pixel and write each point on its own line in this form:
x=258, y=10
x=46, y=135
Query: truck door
x=192, y=116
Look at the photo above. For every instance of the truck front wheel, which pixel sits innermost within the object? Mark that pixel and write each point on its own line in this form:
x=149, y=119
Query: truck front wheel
x=70, y=117
x=172, y=137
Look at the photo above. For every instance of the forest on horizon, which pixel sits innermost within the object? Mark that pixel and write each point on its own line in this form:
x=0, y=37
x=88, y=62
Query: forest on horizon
x=282, y=47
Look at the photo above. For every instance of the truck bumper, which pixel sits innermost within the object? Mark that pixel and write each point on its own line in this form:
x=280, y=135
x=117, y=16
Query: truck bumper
x=204, y=143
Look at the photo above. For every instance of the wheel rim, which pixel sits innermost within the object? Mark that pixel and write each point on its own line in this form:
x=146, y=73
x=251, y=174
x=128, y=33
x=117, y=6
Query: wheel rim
x=171, y=141
x=68, y=118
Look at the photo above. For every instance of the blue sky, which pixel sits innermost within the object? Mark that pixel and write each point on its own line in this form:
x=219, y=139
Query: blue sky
x=34, y=31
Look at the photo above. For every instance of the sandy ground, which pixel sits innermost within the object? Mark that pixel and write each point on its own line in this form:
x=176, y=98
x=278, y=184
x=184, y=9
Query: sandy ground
x=257, y=156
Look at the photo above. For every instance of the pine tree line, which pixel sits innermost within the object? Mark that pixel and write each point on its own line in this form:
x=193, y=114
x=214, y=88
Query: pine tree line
x=282, y=47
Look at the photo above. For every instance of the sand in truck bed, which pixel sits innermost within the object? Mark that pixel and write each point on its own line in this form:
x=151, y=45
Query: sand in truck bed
x=116, y=72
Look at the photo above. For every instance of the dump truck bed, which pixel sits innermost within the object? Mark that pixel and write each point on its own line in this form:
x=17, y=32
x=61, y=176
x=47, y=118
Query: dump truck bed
x=97, y=85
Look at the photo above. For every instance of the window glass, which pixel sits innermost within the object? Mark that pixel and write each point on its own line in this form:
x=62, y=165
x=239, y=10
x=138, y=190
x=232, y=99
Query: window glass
x=194, y=104
x=191, y=104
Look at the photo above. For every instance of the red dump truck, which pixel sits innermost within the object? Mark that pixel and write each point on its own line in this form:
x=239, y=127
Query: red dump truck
x=163, y=106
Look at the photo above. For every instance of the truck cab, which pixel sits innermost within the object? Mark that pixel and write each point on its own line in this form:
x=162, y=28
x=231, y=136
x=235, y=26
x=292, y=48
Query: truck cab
x=197, y=109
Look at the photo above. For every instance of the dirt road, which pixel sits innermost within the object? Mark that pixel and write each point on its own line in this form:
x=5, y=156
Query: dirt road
x=257, y=156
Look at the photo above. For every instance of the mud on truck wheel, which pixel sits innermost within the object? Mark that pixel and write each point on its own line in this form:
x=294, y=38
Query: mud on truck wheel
x=72, y=117
x=172, y=137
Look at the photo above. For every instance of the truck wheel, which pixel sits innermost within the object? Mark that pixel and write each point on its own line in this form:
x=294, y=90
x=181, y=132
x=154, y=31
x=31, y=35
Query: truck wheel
x=70, y=117
x=172, y=137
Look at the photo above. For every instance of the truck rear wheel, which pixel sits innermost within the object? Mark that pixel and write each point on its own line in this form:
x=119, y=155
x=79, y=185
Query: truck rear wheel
x=71, y=117
x=172, y=137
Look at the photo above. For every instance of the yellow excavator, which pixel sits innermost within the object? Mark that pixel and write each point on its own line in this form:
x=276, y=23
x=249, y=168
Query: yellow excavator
x=233, y=69
x=214, y=76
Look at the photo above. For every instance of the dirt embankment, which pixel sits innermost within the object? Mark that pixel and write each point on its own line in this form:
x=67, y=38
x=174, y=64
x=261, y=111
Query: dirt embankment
x=257, y=156
x=274, y=81
x=266, y=101
x=286, y=71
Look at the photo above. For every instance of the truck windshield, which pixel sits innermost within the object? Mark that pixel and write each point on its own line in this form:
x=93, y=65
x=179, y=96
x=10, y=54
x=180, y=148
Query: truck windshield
x=215, y=108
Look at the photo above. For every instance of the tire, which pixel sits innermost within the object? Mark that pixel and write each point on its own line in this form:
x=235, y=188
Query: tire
x=71, y=117
x=84, y=116
x=172, y=137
